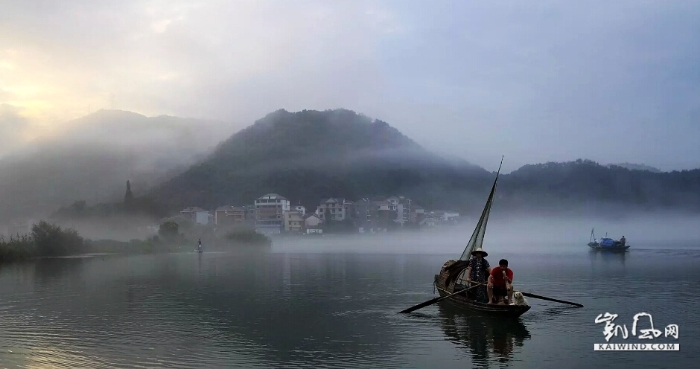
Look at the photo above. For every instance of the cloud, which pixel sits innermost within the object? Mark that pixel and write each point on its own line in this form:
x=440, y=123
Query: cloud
x=614, y=82
x=12, y=127
x=5, y=95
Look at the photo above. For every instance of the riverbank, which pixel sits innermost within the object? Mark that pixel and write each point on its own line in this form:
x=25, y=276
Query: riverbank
x=48, y=240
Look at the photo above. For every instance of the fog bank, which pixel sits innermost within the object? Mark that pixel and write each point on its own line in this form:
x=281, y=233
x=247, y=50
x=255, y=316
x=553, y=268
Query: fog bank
x=514, y=235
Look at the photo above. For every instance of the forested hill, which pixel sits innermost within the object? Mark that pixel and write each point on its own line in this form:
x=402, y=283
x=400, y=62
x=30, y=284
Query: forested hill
x=586, y=185
x=312, y=154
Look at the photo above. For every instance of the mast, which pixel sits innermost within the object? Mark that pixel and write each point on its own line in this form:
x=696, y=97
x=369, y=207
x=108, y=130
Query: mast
x=477, y=238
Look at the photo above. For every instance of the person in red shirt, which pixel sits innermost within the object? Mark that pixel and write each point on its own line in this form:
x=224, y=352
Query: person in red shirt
x=501, y=282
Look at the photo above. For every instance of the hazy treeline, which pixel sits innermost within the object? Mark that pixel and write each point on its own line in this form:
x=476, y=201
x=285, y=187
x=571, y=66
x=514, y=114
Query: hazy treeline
x=46, y=240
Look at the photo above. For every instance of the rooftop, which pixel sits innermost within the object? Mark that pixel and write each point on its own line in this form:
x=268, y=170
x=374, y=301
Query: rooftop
x=230, y=208
x=272, y=196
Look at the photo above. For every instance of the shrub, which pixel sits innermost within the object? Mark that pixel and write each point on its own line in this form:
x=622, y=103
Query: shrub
x=169, y=230
x=248, y=236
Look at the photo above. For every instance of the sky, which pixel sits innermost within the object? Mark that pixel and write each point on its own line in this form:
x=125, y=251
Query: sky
x=535, y=81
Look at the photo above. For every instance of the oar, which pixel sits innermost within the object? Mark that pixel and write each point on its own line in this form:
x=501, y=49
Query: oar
x=550, y=299
x=540, y=297
x=430, y=302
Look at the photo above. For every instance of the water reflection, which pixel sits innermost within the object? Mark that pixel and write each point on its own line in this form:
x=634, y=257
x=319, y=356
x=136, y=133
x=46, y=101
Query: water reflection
x=487, y=338
x=199, y=263
x=48, y=271
x=608, y=257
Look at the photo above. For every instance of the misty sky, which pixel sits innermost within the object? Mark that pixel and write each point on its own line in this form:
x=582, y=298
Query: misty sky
x=536, y=81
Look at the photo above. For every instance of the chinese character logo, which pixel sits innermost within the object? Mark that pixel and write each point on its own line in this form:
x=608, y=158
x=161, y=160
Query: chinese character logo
x=612, y=330
x=672, y=330
x=645, y=334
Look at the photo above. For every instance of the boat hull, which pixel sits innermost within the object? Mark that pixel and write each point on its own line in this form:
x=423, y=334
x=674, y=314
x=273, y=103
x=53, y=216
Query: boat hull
x=609, y=248
x=512, y=311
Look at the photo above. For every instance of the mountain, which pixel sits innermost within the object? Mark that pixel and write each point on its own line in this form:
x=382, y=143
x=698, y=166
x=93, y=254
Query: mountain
x=94, y=158
x=584, y=185
x=636, y=167
x=308, y=155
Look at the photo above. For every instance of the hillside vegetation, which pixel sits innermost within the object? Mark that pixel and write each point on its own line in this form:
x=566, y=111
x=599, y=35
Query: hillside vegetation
x=310, y=154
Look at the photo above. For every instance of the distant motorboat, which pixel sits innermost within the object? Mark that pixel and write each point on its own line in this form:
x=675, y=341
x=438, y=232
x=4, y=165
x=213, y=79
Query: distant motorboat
x=607, y=244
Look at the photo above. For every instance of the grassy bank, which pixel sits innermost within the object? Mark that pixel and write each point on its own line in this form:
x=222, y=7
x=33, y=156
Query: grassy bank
x=16, y=248
x=44, y=240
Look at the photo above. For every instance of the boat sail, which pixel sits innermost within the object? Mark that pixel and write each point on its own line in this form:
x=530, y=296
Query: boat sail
x=457, y=269
x=477, y=239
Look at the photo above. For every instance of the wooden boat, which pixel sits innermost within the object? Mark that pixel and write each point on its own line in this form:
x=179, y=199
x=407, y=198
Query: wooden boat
x=452, y=273
x=461, y=300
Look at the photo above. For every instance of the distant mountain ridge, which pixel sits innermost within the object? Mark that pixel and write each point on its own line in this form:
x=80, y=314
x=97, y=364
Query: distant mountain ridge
x=584, y=185
x=310, y=154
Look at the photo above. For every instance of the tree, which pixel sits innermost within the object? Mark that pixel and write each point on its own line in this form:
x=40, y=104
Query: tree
x=169, y=230
x=79, y=207
x=50, y=240
x=45, y=236
x=128, y=197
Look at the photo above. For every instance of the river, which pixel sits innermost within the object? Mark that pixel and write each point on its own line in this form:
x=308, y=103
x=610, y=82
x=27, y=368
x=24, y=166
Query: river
x=334, y=304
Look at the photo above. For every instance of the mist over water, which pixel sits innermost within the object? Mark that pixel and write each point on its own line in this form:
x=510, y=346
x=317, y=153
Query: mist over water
x=513, y=235
x=119, y=228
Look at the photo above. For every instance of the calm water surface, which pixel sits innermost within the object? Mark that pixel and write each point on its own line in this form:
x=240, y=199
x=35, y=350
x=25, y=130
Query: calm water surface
x=320, y=306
